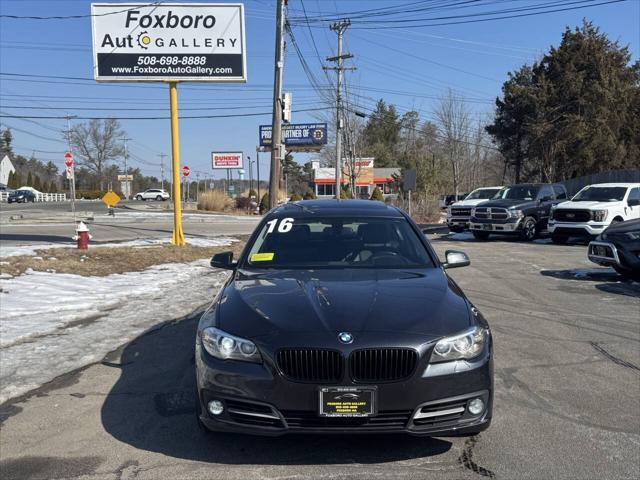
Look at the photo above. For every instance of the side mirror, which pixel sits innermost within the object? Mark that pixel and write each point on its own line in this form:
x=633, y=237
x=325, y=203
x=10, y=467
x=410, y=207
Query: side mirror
x=224, y=260
x=455, y=259
x=633, y=202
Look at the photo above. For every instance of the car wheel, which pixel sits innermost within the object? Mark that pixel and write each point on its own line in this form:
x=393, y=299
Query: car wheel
x=559, y=239
x=628, y=274
x=479, y=235
x=529, y=229
x=159, y=198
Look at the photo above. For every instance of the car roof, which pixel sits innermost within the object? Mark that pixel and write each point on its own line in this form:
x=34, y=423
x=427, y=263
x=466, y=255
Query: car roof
x=334, y=207
x=615, y=184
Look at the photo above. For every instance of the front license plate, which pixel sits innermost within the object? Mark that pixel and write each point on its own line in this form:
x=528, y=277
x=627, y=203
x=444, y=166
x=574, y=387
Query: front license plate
x=347, y=402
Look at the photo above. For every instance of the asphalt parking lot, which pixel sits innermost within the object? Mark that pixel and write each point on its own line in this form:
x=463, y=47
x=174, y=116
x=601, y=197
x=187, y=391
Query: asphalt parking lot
x=567, y=398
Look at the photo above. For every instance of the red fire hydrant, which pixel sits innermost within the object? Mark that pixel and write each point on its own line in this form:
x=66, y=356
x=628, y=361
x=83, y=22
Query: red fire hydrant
x=82, y=236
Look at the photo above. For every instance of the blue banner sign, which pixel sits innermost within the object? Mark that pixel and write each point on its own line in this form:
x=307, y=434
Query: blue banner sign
x=300, y=135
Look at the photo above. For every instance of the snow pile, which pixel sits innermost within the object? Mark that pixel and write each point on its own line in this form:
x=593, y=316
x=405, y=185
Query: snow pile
x=15, y=250
x=53, y=323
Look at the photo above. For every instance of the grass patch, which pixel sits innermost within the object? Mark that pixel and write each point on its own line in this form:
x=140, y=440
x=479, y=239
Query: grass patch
x=103, y=261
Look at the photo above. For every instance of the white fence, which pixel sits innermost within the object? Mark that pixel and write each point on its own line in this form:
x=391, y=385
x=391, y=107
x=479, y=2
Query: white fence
x=40, y=197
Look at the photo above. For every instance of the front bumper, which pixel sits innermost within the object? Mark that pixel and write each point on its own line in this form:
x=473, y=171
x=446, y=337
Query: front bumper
x=585, y=229
x=259, y=400
x=505, y=226
x=458, y=222
x=609, y=254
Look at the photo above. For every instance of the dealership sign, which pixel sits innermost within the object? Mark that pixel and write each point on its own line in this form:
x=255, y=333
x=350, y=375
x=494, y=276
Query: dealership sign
x=226, y=160
x=168, y=42
x=297, y=136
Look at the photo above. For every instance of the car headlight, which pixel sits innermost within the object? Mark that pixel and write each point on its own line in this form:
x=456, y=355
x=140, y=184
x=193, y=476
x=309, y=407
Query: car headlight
x=464, y=346
x=224, y=346
x=448, y=210
x=473, y=212
x=599, y=215
x=515, y=213
x=633, y=235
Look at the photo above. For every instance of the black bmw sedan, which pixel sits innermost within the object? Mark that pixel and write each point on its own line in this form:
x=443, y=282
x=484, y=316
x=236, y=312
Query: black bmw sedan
x=338, y=317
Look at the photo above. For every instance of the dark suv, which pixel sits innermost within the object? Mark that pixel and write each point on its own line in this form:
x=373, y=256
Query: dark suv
x=522, y=209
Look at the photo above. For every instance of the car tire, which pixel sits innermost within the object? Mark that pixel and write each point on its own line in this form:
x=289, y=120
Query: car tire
x=529, y=229
x=479, y=235
x=559, y=239
x=159, y=198
x=628, y=274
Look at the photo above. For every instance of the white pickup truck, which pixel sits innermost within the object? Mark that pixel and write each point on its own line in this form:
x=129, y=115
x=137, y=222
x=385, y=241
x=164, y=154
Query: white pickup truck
x=459, y=213
x=593, y=209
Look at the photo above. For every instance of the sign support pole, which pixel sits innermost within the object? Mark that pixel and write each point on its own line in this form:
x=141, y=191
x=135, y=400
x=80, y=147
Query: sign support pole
x=178, y=235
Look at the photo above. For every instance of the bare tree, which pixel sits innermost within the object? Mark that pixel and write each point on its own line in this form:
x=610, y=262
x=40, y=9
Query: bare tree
x=454, y=125
x=96, y=143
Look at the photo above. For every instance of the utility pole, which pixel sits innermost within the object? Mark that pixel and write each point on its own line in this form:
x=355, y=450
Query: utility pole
x=339, y=28
x=258, y=172
x=277, y=149
x=127, y=193
x=72, y=180
x=162, y=155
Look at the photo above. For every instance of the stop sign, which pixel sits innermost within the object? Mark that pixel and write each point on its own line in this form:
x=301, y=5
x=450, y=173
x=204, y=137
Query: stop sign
x=68, y=159
x=186, y=171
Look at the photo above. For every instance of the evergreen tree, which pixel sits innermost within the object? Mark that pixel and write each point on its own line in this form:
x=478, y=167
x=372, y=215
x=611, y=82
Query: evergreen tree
x=574, y=113
x=29, y=180
x=37, y=184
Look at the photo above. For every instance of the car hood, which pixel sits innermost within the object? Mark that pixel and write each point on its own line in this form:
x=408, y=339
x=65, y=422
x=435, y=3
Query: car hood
x=469, y=203
x=588, y=205
x=270, y=303
x=507, y=203
x=624, y=227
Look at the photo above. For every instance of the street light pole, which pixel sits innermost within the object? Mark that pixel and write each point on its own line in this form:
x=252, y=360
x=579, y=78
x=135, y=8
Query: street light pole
x=276, y=120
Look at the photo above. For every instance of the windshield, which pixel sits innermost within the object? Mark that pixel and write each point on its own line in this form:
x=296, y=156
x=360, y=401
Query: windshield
x=483, y=194
x=519, y=192
x=338, y=242
x=600, y=194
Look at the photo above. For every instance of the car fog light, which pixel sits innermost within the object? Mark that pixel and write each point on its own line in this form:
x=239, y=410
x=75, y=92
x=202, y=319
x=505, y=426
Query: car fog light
x=215, y=407
x=476, y=406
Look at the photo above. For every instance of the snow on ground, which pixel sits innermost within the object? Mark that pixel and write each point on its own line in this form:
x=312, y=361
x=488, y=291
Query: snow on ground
x=15, y=250
x=54, y=323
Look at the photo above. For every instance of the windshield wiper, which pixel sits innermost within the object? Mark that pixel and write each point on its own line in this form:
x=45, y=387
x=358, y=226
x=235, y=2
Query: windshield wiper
x=302, y=207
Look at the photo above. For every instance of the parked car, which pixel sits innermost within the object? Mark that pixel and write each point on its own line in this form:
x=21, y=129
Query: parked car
x=21, y=196
x=153, y=194
x=338, y=317
x=593, y=209
x=522, y=209
x=459, y=213
x=619, y=247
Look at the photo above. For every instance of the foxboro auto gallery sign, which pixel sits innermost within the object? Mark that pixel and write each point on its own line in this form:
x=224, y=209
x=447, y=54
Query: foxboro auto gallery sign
x=168, y=42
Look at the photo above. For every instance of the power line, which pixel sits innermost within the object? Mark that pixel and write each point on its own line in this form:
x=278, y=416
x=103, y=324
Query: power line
x=74, y=17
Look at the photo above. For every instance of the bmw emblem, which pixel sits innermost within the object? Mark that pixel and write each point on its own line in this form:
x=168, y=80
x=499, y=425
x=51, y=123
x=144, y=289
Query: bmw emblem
x=345, y=337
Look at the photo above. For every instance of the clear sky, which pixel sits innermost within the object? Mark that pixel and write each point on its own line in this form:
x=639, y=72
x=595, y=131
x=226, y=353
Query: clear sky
x=411, y=68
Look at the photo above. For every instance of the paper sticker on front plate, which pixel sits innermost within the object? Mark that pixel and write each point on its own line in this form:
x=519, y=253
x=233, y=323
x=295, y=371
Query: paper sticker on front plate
x=347, y=401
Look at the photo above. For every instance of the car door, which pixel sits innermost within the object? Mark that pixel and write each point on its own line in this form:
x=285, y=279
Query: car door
x=149, y=194
x=546, y=198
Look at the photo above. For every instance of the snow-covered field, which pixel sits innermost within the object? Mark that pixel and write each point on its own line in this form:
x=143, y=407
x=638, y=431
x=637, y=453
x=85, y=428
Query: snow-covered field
x=53, y=323
x=15, y=250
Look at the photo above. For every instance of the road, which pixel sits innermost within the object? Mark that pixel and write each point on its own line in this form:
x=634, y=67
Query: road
x=38, y=223
x=567, y=363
